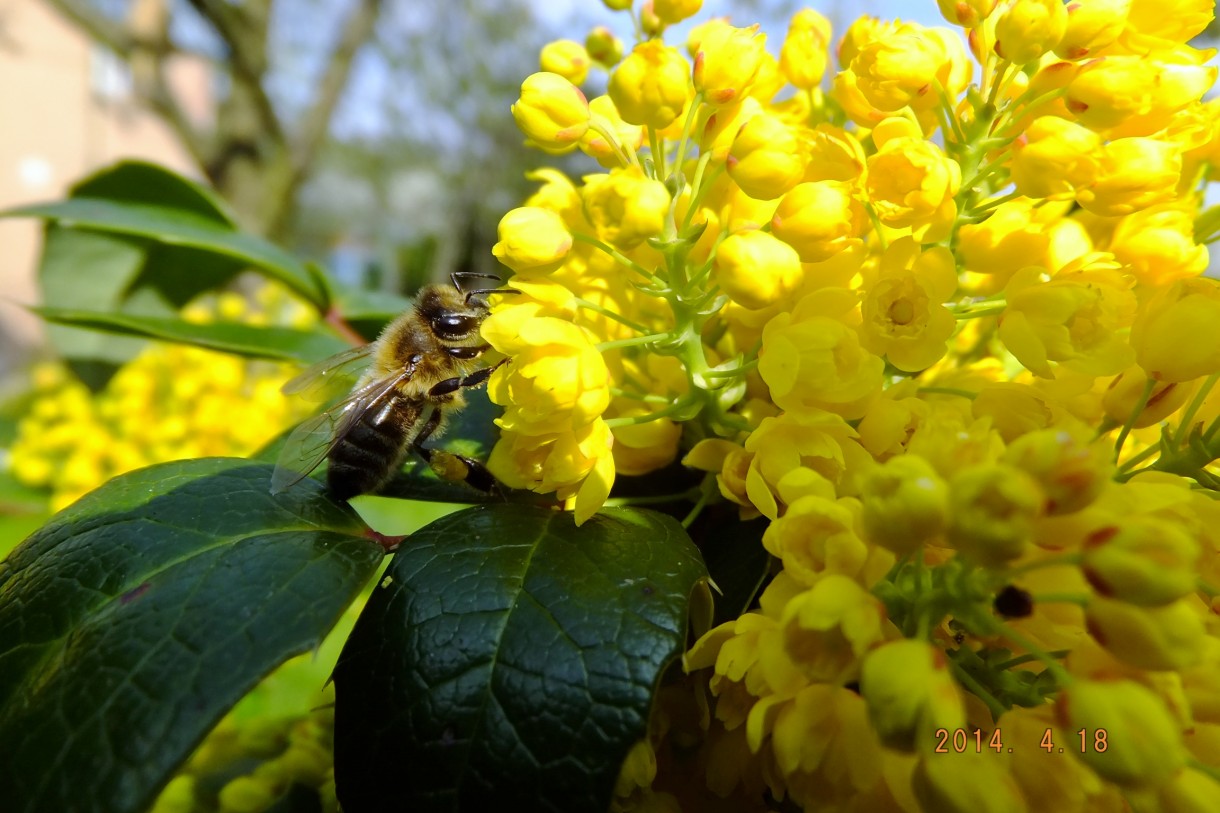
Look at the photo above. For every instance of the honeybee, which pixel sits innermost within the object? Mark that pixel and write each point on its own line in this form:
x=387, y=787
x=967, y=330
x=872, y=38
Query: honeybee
x=416, y=371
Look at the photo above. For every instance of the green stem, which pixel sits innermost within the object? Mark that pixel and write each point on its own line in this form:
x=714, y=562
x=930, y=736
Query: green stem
x=633, y=341
x=979, y=690
x=872, y=215
x=626, y=157
x=658, y=157
x=679, y=406
x=990, y=206
x=686, y=129
x=979, y=313
x=1196, y=402
x=1139, y=458
x=609, y=314
x=619, y=392
x=1149, y=386
x=621, y=258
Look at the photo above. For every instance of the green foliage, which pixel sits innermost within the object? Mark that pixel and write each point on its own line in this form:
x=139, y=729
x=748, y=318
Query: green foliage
x=133, y=620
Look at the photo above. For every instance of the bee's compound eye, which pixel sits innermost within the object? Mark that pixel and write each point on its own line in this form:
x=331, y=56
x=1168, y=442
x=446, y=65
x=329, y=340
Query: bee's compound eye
x=454, y=325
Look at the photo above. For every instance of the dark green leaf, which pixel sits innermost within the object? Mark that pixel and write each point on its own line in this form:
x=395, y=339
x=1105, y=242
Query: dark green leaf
x=179, y=227
x=142, y=182
x=278, y=343
x=137, y=616
x=509, y=659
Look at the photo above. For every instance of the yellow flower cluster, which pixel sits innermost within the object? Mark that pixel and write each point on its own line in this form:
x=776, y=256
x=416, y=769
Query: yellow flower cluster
x=169, y=403
x=938, y=313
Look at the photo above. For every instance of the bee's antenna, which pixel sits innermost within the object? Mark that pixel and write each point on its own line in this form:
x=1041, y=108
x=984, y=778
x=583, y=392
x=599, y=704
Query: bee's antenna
x=479, y=291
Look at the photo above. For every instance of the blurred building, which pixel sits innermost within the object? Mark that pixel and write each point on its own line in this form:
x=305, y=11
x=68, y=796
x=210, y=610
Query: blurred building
x=66, y=109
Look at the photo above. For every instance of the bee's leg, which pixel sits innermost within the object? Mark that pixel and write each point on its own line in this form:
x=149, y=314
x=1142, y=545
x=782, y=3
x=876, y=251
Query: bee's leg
x=450, y=466
x=473, y=380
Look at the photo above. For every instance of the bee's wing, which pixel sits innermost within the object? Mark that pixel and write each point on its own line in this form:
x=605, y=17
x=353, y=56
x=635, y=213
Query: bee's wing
x=322, y=381
x=312, y=441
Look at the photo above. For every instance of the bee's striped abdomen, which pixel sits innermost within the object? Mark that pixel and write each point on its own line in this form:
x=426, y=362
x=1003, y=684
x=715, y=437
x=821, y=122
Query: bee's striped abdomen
x=370, y=452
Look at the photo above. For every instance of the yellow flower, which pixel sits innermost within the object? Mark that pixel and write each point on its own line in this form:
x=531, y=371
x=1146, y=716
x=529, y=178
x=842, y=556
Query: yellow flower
x=557, y=378
x=904, y=319
x=624, y=206
x=785, y=447
x=603, y=47
x=675, y=11
x=1157, y=638
x=1074, y=319
x=910, y=693
x=1132, y=174
x=969, y=781
x=645, y=447
x=820, y=219
x=1174, y=20
x=532, y=239
x=966, y=13
x=1158, y=245
x=830, y=627
x=1007, y=241
x=1145, y=561
x=766, y=158
x=1135, y=93
x=1123, y=395
x=629, y=137
x=1092, y=26
x=756, y=269
x=911, y=182
x=804, y=54
x=577, y=465
x=1057, y=157
x=727, y=62
x=816, y=537
x=906, y=504
x=552, y=112
x=1072, y=473
x=896, y=67
x=1027, y=29
x=651, y=86
x=812, y=357
x=1170, y=330
x=1143, y=741
x=567, y=58
x=994, y=508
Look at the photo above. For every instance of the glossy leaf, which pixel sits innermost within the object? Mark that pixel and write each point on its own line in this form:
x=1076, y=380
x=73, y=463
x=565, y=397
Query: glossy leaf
x=277, y=343
x=508, y=659
x=179, y=227
x=137, y=616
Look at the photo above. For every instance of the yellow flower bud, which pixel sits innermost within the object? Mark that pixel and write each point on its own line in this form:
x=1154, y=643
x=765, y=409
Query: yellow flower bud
x=1134, y=92
x=1072, y=473
x=910, y=693
x=766, y=159
x=617, y=5
x=675, y=11
x=1145, y=561
x=625, y=207
x=756, y=270
x=603, y=47
x=532, y=239
x=905, y=503
x=651, y=86
x=994, y=508
x=1158, y=244
x=803, y=56
x=1189, y=791
x=966, y=13
x=1027, y=29
x=829, y=628
x=1054, y=158
x=912, y=183
x=567, y=58
x=1142, y=741
x=718, y=126
x=1157, y=638
x=552, y=112
x=969, y=781
x=1132, y=174
x=1174, y=20
x=727, y=62
x=820, y=219
x=645, y=447
x=1092, y=26
x=897, y=67
x=1124, y=392
x=247, y=794
x=629, y=137
x=1170, y=329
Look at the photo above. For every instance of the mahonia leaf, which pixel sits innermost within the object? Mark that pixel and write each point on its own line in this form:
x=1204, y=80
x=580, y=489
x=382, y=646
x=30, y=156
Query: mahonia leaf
x=138, y=615
x=509, y=658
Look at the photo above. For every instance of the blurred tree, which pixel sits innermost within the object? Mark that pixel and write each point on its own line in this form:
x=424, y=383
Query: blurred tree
x=255, y=152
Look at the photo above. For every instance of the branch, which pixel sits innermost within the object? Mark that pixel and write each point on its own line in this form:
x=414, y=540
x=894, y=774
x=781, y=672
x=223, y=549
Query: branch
x=315, y=124
x=244, y=34
x=99, y=27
